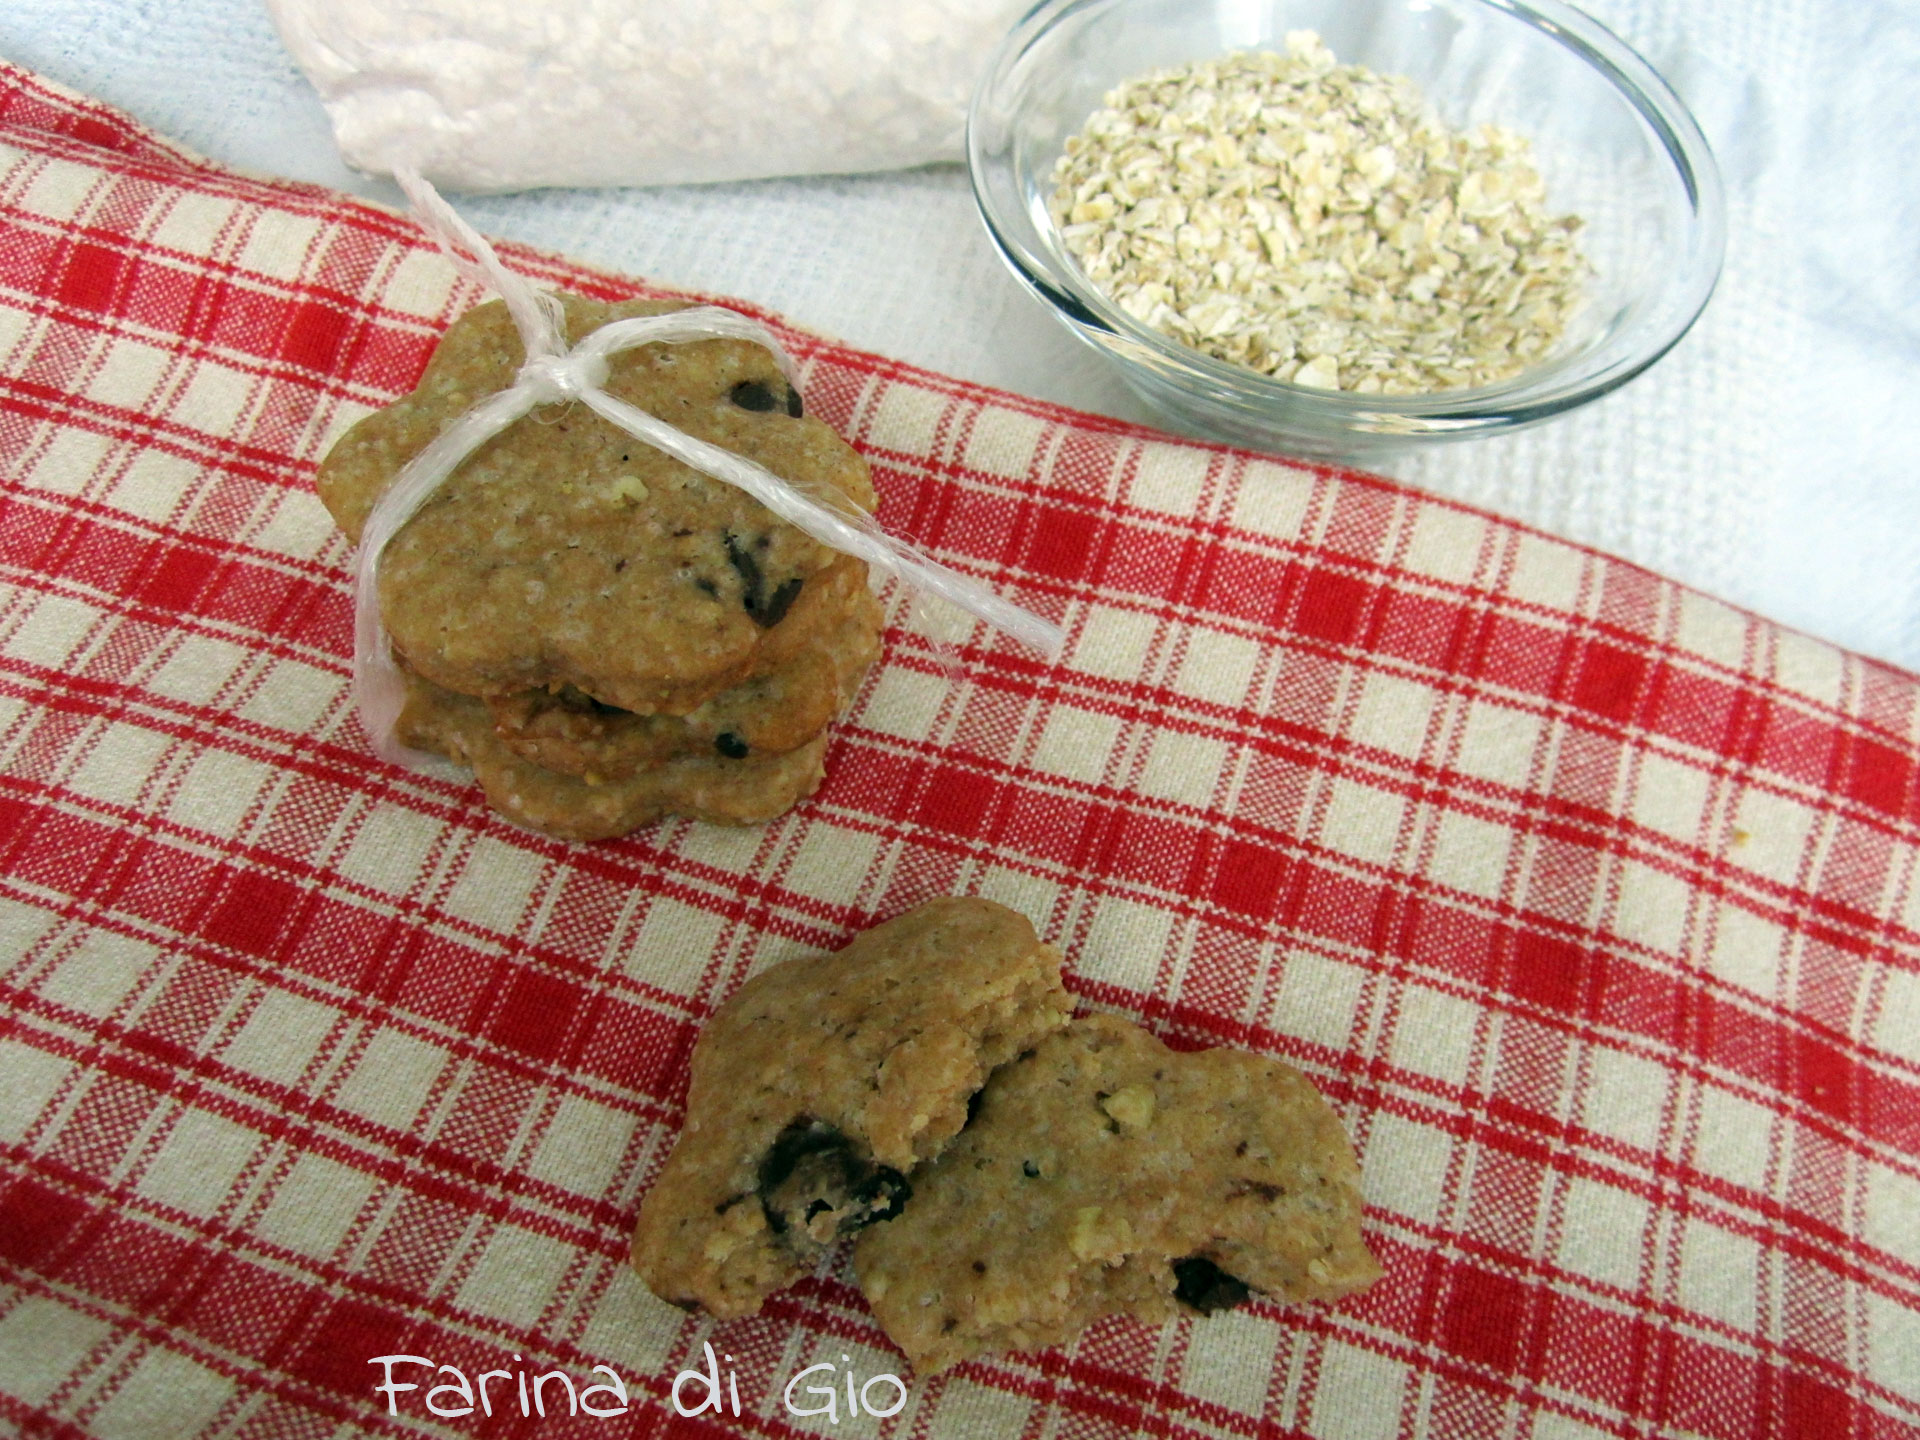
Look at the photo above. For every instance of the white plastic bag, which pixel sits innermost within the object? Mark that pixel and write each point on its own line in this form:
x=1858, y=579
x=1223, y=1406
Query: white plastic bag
x=514, y=94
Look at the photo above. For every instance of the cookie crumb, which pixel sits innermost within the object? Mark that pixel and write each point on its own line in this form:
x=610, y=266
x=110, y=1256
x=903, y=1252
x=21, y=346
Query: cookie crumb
x=1132, y=1106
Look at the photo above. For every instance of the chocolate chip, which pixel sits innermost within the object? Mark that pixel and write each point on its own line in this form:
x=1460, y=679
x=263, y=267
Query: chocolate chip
x=755, y=395
x=1029, y=1169
x=1204, y=1286
x=747, y=565
x=766, y=609
x=730, y=745
x=813, y=1170
x=778, y=603
x=889, y=1188
x=799, y=1141
x=759, y=396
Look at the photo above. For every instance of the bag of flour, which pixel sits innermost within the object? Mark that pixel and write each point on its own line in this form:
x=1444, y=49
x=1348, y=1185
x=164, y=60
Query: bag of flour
x=513, y=94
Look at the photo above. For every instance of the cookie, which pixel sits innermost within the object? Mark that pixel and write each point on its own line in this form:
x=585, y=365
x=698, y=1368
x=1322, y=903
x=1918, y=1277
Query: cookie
x=781, y=710
x=725, y=792
x=1106, y=1174
x=822, y=1082
x=565, y=553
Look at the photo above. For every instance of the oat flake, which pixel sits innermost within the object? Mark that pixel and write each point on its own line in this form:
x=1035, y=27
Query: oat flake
x=1312, y=221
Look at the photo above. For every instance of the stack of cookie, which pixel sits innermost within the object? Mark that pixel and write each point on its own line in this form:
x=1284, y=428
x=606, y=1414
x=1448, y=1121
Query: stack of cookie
x=603, y=634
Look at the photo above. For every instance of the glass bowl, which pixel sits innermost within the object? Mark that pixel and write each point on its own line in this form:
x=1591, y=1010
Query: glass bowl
x=1612, y=142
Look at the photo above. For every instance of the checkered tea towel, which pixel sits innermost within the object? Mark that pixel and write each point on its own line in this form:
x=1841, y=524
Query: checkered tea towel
x=1592, y=904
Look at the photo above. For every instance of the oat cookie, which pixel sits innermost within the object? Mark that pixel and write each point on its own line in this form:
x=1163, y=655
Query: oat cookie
x=566, y=553
x=1104, y=1173
x=571, y=732
x=750, y=791
x=823, y=1081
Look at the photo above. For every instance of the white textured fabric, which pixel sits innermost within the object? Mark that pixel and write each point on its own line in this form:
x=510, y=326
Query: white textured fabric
x=1770, y=459
x=506, y=94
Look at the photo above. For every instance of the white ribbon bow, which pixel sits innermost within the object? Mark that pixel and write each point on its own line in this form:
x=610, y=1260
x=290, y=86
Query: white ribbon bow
x=553, y=373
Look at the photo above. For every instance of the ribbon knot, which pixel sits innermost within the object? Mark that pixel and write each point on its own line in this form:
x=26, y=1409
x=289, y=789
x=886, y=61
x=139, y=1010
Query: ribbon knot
x=553, y=373
x=554, y=378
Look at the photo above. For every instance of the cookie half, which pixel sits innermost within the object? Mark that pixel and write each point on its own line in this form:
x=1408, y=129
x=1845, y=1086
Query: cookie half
x=823, y=1081
x=1106, y=1174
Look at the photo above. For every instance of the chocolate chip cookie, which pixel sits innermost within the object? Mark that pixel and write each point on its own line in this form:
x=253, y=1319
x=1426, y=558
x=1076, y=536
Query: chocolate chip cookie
x=565, y=553
x=747, y=791
x=1104, y=1173
x=571, y=732
x=822, y=1082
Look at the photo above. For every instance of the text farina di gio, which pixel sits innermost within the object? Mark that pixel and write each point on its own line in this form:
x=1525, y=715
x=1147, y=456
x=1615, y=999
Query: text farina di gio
x=448, y=1392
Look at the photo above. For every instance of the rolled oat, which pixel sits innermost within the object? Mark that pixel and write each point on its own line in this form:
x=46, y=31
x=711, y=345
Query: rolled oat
x=1313, y=222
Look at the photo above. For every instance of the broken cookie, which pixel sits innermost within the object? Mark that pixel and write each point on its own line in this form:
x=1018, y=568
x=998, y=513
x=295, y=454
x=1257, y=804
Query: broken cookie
x=1106, y=1174
x=819, y=1086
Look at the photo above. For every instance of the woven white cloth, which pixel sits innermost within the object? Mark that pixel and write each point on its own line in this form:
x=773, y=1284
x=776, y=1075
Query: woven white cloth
x=1770, y=459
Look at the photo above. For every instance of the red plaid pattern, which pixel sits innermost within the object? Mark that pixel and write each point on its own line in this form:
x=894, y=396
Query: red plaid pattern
x=1593, y=904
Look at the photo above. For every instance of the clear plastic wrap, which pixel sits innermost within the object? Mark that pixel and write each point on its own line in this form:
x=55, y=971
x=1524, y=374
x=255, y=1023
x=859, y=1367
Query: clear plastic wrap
x=554, y=373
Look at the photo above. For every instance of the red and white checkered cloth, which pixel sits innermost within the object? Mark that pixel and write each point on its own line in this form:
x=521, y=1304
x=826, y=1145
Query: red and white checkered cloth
x=1593, y=904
